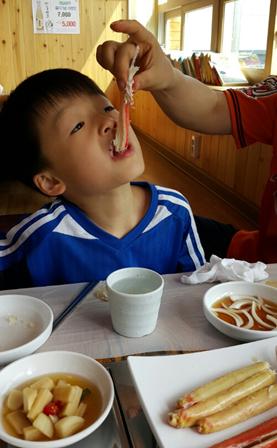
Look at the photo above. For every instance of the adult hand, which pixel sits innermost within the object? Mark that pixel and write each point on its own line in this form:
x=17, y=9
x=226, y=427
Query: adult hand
x=155, y=70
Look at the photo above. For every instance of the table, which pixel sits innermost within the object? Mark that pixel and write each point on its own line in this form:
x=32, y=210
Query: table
x=181, y=327
x=181, y=324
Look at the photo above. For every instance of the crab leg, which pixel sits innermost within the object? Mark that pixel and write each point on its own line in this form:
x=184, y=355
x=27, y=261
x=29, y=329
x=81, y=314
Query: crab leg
x=252, y=405
x=122, y=131
x=259, y=433
x=121, y=138
x=182, y=418
x=221, y=383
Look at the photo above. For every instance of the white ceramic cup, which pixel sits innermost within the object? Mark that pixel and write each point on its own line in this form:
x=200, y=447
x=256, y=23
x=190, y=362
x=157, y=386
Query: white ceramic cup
x=134, y=296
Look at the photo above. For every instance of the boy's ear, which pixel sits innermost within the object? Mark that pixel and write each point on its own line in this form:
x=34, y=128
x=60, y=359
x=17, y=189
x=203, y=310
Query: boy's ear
x=49, y=184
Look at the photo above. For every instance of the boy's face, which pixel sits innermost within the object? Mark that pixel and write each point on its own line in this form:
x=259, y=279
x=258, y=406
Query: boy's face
x=76, y=139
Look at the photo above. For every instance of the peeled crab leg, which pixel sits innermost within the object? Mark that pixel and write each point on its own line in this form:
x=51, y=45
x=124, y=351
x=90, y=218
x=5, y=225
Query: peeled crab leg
x=221, y=383
x=182, y=418
x=122, y=131
x=252, y=405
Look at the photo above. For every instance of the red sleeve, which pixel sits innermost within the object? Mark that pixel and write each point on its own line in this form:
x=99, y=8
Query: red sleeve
x=253, y=119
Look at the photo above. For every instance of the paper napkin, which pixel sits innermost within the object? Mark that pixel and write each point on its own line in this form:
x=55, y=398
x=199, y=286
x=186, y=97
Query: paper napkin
x=226, y=269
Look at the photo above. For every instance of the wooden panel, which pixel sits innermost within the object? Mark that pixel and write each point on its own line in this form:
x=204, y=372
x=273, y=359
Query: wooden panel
x=6, y=45
x=243, y=171
x=23, y=53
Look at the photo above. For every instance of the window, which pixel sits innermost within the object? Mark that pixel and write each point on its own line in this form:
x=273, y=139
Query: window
x=198, y=19
x=193, y=24
x=244, y=28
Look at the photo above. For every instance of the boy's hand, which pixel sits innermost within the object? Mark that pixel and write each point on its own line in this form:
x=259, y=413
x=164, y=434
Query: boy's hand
x=156, y=71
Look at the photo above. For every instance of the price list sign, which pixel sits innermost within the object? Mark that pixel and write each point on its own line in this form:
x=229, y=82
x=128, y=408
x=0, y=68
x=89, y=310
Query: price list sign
x=56, y=16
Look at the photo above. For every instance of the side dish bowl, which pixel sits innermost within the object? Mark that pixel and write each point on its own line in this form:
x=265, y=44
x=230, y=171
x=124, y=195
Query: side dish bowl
x=25, y=324
x=217, y=292
x=55, y=362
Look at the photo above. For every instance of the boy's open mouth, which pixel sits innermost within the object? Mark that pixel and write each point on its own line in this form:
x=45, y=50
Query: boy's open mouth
x=115, y=154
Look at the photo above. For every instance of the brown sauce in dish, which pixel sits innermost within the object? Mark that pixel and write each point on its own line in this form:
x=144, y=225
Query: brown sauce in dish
x=93, y=400
x=260, y=312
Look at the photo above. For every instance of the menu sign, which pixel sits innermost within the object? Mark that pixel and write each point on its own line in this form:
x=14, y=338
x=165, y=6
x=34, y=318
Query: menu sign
x=56, y=16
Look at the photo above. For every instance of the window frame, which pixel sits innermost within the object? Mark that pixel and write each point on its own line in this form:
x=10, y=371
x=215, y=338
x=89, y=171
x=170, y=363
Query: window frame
x=170, y=15
x=183, y=6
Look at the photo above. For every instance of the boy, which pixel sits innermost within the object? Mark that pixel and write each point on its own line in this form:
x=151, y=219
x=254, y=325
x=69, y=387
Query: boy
x=57, y=130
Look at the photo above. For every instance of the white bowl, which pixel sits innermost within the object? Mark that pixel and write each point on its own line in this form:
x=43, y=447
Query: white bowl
x=25, y=324
x=46, y=363
x=246, y=288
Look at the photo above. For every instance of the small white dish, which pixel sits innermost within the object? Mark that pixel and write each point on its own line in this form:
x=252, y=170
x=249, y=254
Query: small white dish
x=215, y=293
x=45, y=363
x=25, y=324
x=161, y=380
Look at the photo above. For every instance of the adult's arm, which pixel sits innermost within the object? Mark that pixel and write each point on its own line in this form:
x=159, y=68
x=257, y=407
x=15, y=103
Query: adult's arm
x=188, y=102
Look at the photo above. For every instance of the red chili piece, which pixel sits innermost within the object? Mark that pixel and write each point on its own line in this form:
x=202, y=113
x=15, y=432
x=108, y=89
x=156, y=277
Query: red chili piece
x=53, y=408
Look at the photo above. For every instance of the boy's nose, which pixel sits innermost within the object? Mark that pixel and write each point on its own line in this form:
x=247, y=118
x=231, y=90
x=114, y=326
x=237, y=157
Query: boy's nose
x=108, y=125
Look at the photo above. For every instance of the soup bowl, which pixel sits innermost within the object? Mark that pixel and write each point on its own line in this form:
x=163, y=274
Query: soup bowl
x=55, y=363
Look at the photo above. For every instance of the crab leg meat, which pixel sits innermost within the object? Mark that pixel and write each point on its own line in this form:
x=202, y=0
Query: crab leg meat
x=121, y=138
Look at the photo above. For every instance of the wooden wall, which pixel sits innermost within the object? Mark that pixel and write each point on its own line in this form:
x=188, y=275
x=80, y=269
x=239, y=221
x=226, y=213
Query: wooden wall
x=239, y=174
x=23, y=53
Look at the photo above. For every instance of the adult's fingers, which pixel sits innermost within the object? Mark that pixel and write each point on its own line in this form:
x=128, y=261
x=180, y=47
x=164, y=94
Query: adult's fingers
x=105, y=54
x=136, y=31
x=124, y=55
x=116, y=57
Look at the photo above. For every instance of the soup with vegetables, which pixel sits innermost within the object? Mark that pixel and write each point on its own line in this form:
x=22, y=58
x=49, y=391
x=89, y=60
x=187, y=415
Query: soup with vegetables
x=51, y=407
x=250, y=312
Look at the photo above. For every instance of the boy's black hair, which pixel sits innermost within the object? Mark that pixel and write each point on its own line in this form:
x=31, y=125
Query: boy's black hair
x=21, y=157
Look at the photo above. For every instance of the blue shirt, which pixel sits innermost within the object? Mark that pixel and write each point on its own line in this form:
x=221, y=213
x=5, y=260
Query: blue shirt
x=59, y=244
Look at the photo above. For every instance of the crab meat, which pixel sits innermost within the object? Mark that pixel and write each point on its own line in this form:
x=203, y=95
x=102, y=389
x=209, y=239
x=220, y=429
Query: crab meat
x=121, y=138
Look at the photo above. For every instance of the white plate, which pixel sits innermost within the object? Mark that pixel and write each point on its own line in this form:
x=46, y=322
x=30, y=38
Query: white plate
x=161, y=380
x=25, y=324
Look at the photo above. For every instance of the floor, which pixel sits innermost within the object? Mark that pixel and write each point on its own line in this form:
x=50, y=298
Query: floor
x=17, y=199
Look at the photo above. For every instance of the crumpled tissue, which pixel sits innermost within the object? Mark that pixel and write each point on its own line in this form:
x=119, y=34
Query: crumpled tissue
x=226, y=269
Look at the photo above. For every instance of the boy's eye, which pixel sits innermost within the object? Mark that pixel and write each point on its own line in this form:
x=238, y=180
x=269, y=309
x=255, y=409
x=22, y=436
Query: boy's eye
x=77, y=127
x=108, y=108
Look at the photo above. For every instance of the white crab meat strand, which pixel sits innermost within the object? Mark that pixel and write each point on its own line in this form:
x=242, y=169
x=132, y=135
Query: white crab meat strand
x=272, y=319
x=241, y=311
x=128, y=97
x=235, y=297
x=238, y=320
x=120, y=141
x=250, y=323
x=121, y=138
x=267, y=309
x=241, y=302
x=258, y=319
